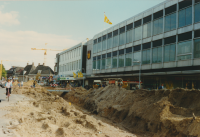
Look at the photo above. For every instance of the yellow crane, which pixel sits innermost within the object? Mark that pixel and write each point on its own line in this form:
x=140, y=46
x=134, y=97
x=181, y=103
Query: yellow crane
x=1, y=69
x=45, y=51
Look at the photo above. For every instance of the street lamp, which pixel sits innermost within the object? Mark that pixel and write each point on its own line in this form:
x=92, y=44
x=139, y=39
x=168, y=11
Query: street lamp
x=139, y=72
x=83, y=77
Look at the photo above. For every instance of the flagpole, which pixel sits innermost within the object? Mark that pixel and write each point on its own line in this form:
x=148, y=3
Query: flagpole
x=104, y=23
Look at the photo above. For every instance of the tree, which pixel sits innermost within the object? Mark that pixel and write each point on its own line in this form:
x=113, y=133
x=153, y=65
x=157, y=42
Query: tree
x=4, y=73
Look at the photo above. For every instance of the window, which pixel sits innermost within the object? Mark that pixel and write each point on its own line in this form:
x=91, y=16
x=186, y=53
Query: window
x=80, y=64
x=128, y=59
x=121, y=58
x=158, y=14
x=109, y=44
x=122, y=36
x=170, y=22
x=147, y=30
x=137, y=48
x=185, y=36
x=137, y=23
x=147, y=19
x=169, y=40
x=94, y=63
x=115, y=38
x=170, y=9
x=157, y=43
x=138, y=33
x=157, y=55
x=146, y=45
x=103, y=61
x=197, y=13
x=196, y=1
x=94, y=48
x=169, y=52
x=158, y=26
x=104, y=42
x=185, y=17
x=184, y=4
x=136, y=57
x=197, y=48
x=129, y=33
x=99, y=45
x=146, y=56
x=184, y=50
x=114, y=59
x=98, y=62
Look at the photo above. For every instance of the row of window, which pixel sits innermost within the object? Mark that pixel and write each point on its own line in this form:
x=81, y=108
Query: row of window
x=75, y=65
x=143, y=31
x=71, y=54
x=119, y=59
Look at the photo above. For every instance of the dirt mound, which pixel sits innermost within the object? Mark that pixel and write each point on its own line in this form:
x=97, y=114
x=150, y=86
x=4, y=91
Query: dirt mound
x=158, y=112
x=50, y=115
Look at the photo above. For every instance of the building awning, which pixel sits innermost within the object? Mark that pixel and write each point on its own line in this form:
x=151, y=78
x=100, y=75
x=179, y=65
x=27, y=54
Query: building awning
x=71, y=78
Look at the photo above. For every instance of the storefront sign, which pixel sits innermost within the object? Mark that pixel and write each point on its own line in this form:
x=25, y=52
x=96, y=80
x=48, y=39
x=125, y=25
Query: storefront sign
x=89, y=54
x=67, y=78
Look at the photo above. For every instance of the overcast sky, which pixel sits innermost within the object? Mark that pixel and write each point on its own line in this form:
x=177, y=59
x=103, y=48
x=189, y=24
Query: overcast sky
x=61, y=24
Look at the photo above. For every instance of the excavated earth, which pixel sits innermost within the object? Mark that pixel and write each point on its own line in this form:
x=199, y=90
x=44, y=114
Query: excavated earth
x=48, y=115
x=160, y=113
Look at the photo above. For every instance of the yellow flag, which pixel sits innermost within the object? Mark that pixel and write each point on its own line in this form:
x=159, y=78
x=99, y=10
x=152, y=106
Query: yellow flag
x=106, y=19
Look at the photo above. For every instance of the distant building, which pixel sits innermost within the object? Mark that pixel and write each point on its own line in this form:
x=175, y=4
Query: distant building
x=14, y=71
x=27, y=70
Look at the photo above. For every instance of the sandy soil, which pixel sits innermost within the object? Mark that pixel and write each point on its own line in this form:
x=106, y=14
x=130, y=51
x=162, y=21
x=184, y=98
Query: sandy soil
x=47, y=115
x=160, y=113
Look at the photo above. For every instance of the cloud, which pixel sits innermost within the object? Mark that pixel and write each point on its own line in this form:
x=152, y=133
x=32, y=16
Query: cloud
x=17, y=46
x=9, y=18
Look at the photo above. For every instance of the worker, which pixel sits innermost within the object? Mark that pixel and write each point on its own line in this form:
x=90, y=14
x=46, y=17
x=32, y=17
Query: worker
x=19, y=84
x=34, y=82
x=8, y=87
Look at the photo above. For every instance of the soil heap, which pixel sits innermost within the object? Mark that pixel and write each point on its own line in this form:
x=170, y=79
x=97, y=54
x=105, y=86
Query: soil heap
x=164, y=113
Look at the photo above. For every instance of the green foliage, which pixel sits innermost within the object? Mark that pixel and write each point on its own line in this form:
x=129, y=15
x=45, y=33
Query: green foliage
x=4, y=73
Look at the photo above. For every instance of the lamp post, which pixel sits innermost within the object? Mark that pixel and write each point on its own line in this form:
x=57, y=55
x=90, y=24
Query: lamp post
x=83, y=78
x=139, y=73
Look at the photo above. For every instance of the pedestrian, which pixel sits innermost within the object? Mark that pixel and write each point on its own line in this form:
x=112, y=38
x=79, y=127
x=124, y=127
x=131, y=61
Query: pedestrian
x=8, y=87
x=34, y=84
x=22, y=83
x=161, y=87
x=19, y=84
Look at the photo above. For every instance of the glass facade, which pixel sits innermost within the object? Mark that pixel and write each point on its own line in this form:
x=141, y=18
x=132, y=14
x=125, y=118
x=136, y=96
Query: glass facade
x=94, y=48
x=104, y=45
x=109, y=43
x=122, y=38
x=129, y=35
x=114, y=62
x=94, y=64
x=99, y=47
x=108, y=63
x=146, y=56
x=169, y=52
x=197, y=13
x=115, y=41
x=103, y=63
x=184, y=50
x=128, y=59
x=158, y=26
x=170, y=22
x=157, y=55
x=185, y=17
x=147, y=30
x=121, y=61
x=136, y=57
x=98, y=64
x=138, y=33
x=197, y=48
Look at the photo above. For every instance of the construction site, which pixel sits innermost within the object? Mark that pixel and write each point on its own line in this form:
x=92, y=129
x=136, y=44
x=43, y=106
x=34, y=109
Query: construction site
x=104, y=112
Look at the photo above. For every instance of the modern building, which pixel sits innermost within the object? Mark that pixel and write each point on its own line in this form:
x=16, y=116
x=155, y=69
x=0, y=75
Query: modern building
x=165, y=39
x=72, y=61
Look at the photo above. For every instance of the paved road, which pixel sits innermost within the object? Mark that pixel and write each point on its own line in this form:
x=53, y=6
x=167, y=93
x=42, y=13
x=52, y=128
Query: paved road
x=4, y=102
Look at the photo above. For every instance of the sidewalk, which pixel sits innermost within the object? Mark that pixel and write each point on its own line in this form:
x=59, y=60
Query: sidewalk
x=14, y=98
